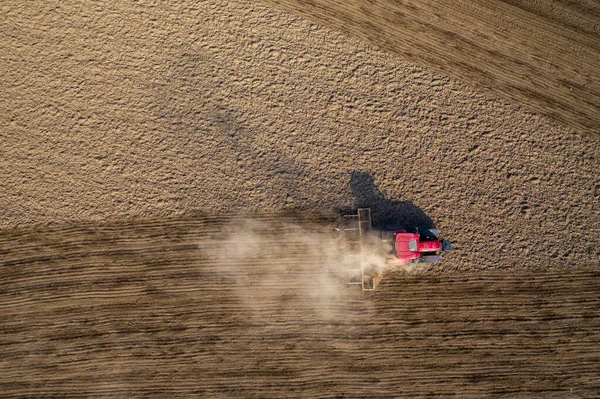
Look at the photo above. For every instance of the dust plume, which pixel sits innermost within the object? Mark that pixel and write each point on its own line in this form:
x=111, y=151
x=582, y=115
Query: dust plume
x=282, y=267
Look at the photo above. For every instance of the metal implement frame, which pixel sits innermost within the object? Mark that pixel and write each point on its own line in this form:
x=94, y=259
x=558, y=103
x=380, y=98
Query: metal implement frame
x=361, y=229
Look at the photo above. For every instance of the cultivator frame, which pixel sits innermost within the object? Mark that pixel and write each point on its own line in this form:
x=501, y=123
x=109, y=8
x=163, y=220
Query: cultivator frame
x=355, y=230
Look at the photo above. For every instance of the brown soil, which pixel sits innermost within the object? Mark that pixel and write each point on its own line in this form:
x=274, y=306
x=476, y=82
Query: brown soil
x=136, y=110
x=130, y=110
x=164, y=309
x=542, y=54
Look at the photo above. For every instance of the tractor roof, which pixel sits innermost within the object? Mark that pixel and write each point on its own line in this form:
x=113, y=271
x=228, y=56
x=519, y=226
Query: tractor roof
x=407, y=246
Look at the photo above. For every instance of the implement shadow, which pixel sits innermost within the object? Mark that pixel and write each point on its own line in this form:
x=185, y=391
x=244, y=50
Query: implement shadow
x=386, y=213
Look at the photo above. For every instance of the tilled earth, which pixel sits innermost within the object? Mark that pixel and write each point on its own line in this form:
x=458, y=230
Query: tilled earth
x=136, y=109
x=244, y=308
x=144, y=110
x=542, y=54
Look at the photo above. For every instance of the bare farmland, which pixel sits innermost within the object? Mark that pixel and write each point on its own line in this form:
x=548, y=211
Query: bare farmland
x=122, y=120
x=155, y=309
x=544, y=55
x=143, y=109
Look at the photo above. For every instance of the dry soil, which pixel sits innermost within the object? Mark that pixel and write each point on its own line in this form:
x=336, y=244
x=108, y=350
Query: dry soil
x=180, y=113
x=143, y=109
x=226, y=307
x=542, y=54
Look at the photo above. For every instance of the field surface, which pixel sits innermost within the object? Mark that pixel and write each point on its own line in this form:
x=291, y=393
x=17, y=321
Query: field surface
x=143, y=109
x=223, y=307
x=542, y=54
x=130, y=129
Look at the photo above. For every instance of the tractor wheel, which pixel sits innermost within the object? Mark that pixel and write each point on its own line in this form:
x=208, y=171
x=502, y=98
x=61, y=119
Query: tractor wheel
x=446, y=245
x=430, y=259
x=433, y=233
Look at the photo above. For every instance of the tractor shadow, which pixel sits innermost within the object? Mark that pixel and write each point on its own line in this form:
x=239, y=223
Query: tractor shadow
x=386, y=213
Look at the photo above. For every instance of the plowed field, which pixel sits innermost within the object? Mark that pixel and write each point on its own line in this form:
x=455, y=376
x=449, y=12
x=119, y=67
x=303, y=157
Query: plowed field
x=143, y=109
x=121, y=120
x=542, y=54
x=190, y=307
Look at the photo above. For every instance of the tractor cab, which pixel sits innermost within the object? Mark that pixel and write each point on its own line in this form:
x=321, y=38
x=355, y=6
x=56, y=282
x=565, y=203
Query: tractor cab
x=415, y=247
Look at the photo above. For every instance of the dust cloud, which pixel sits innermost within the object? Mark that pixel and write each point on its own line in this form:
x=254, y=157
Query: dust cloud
x=292, y=267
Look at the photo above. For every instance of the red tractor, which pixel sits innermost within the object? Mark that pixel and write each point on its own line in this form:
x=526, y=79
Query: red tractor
x=400, y=246
x=414, y=246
